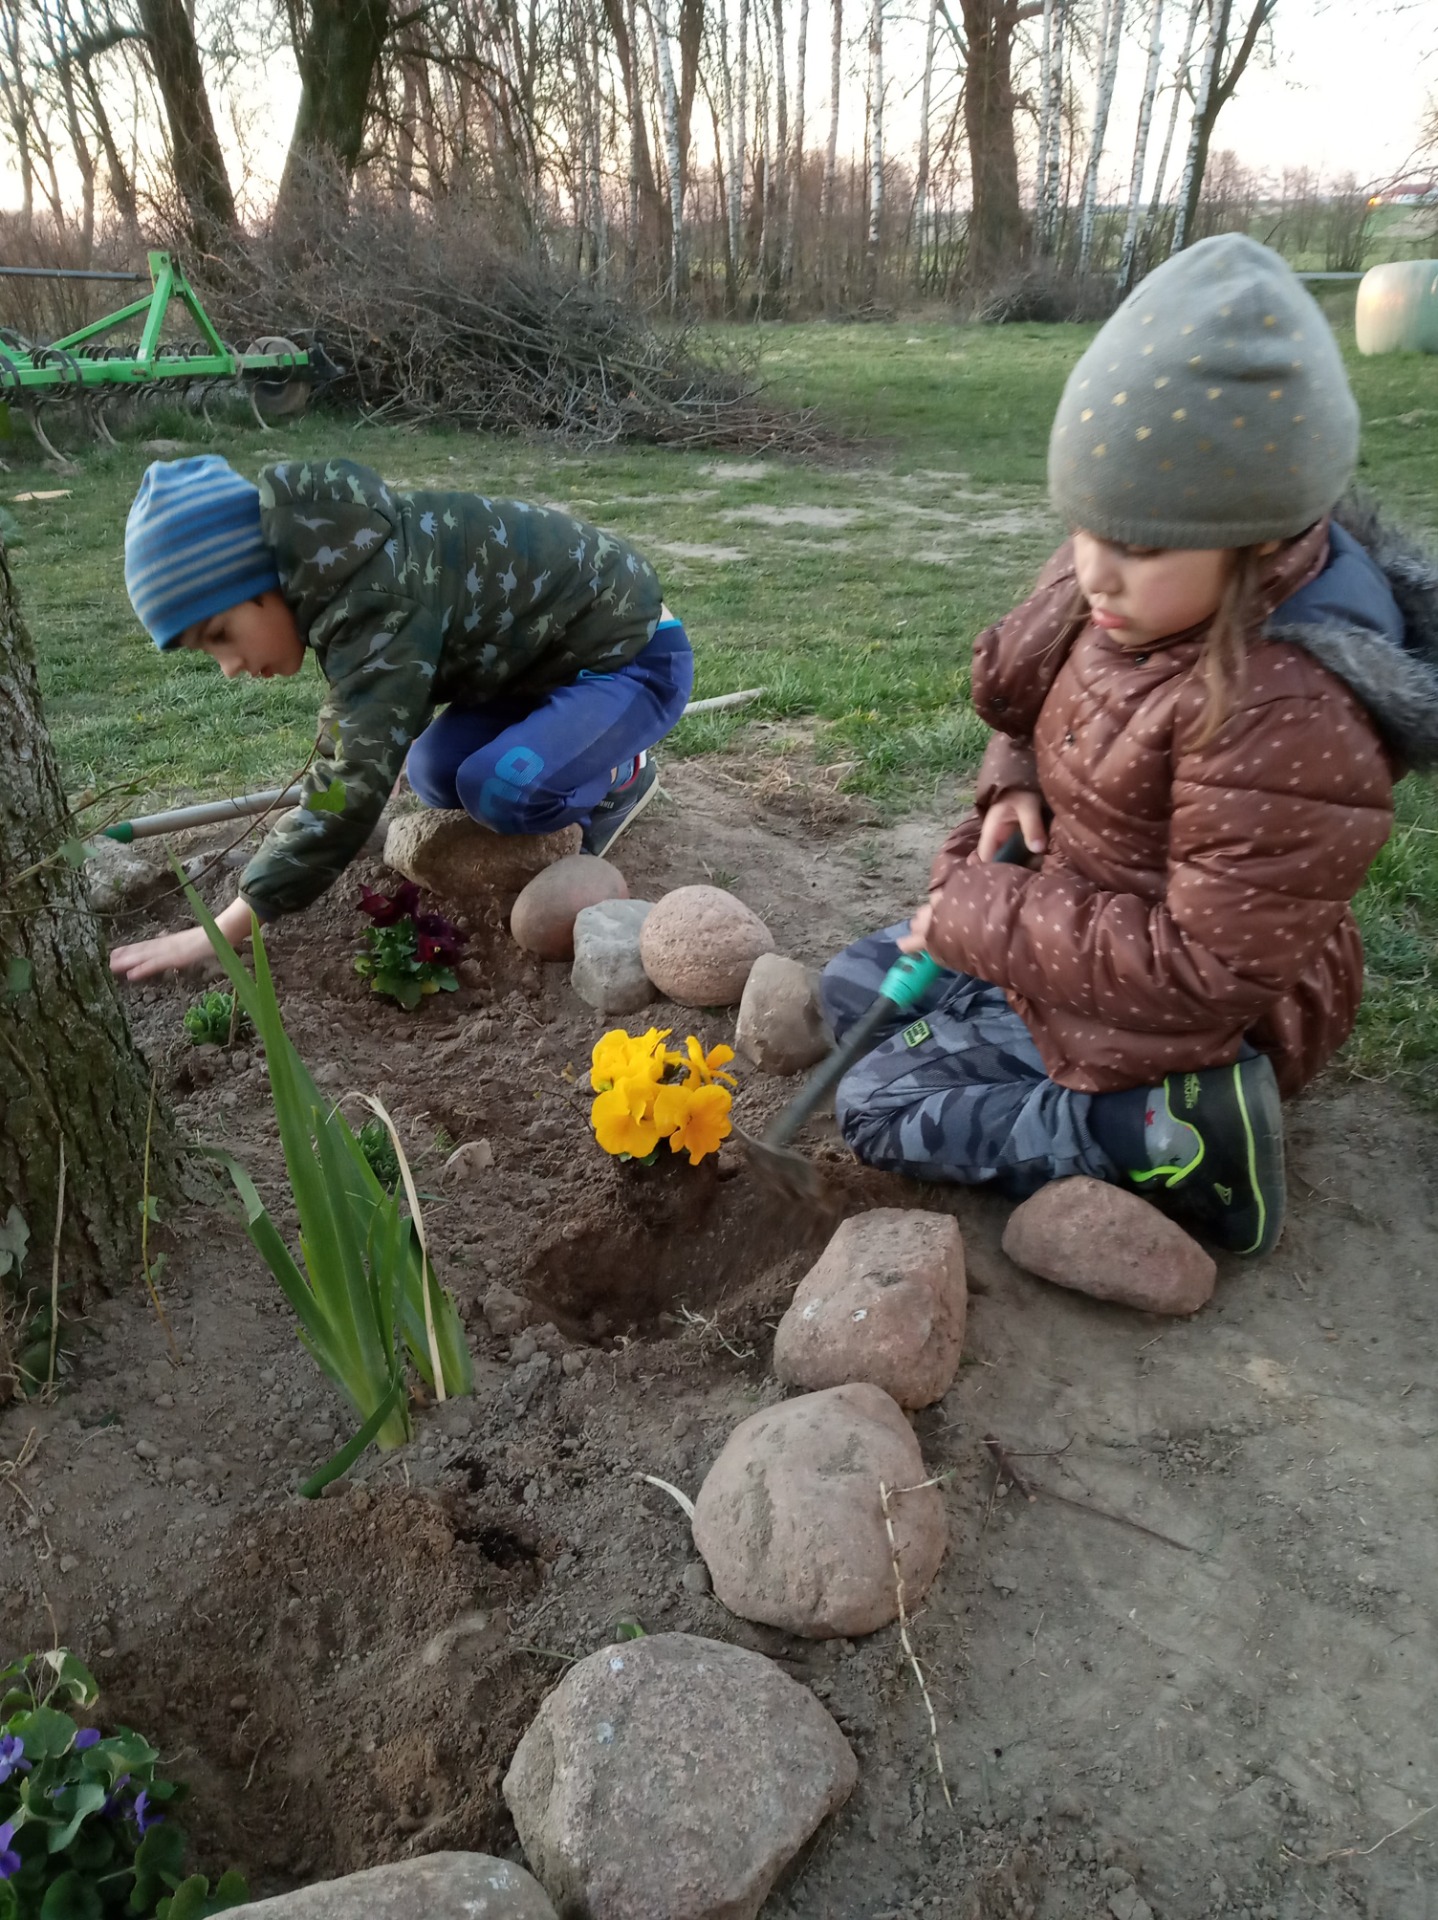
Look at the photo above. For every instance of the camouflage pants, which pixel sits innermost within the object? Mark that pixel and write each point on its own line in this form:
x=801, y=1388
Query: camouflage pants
x=955, y=1090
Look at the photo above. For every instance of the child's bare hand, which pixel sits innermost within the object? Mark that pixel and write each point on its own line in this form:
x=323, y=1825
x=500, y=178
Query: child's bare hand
x=173, y=951
x=1020, y=809
x=916, y=940
x=146, y=958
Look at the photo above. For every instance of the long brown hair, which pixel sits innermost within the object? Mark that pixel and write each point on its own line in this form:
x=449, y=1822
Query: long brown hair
x=1223, y=659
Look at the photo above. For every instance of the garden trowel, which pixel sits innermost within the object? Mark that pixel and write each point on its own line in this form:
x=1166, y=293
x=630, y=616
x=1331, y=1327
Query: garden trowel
x=782, y=1166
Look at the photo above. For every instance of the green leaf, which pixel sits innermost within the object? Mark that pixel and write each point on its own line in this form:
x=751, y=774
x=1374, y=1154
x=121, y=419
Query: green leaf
x=46, y=1733
x=159, y=1861
x=18, y=976
x=93, y=1849
x=14, y=1238
x=74, y=853
x=330, y=799
x=79, y=1802
x=71, y=1897
x=72, y=1676
x=9, y=1903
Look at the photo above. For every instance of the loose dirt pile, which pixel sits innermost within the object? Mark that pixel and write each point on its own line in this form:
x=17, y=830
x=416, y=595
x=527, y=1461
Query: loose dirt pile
x=1222, y=1728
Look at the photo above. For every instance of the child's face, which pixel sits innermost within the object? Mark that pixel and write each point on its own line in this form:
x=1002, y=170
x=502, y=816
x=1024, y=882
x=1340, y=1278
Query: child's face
x=257, y=637
x=1140, y=595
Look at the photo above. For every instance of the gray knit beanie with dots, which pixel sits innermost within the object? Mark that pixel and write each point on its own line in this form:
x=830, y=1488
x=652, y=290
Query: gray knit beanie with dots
x=1213, y=410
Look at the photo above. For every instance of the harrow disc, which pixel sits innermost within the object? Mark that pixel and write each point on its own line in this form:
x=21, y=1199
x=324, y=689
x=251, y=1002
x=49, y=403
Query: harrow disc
x=280, y=396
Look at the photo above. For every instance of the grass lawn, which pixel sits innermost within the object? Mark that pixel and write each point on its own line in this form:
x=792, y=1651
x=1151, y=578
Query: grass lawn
x=850, y=589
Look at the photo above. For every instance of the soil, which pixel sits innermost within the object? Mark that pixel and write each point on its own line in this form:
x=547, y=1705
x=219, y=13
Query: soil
x=1230, y=1726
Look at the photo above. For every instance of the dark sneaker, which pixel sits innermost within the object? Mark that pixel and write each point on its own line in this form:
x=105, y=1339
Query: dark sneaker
x=1215, y=1142
x=621, y=807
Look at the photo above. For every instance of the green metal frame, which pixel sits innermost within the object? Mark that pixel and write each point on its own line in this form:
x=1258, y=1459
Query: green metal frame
x=71, y=362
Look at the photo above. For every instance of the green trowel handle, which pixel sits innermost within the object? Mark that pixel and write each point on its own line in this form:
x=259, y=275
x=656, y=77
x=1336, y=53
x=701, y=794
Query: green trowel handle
x=902, y=986
x=909, y=979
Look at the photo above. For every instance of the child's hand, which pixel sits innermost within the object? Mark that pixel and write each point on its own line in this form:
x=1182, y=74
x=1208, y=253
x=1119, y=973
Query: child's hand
x=916, y=940
x=146, y=958
x=1020, y=808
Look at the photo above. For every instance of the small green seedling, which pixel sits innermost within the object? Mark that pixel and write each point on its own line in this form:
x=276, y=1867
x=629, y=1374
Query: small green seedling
x=214, y=1020
x=87, y=1830
x=377, y=1147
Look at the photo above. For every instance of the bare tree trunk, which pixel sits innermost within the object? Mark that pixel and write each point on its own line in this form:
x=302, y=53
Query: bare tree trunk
x=1216, y=89
x=796, y=165
x=1180, y=86
x=921, y=182
x=337, y=50
x=69, y=1073
x=780, y=151
x=876, y=139
x=733, y=184
x=998, y=229
x=194, y=147
x=831, y=156
x=1051, y=158
x=1108, y=69
x=15, y=91
x=741, y=87
x=669, y=103
x=1140, y=147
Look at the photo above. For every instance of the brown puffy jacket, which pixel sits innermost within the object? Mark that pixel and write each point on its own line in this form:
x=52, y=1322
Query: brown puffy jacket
x=1194, y=896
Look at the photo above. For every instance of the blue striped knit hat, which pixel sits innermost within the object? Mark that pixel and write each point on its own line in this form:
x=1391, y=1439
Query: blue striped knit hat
x=193, y=545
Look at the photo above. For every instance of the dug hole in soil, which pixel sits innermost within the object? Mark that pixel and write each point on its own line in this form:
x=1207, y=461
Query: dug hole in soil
x=1234, y=1729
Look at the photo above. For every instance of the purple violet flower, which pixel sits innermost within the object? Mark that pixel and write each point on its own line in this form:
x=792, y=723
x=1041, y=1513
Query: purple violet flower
x=12, y=1756
x=10, y=1862
x=87, y=1737
x=112, y=1804
x=144, y=1819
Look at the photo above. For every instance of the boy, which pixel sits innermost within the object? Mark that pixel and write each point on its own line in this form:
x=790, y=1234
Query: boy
x=545, y=640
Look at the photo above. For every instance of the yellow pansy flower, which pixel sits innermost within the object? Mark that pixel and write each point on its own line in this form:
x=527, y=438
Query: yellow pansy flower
x=622, y=1120
x=704, y=1067
x=695, y=1118
x=618, y=1055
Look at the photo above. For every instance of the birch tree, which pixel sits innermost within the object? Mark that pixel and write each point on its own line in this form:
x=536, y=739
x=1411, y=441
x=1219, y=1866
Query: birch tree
x=1108, y=69
x=1140, y=146
x=876, y=131
x=831, y=155
x=796, y=163
x=926, y=94
x=669, y=105
x=1180, y=88
x=1216, y=88
x=1051, y=125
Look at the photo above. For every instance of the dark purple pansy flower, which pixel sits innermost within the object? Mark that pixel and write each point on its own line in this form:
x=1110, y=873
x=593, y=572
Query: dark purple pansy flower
x=10, y=1861
x=12, y=1756
x=385, y=909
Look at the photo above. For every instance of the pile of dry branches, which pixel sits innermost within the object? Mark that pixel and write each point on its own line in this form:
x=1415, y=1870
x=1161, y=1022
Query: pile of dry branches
x=432, y=323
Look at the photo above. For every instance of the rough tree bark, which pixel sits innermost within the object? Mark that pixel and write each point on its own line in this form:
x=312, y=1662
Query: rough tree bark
x=796, y=164
x=68, y=1069
x=1216, y=89
x=337, y=47
x=876, y=139
x=194, y=146
x=921, y=183
x=831, y=152
x=998, y=226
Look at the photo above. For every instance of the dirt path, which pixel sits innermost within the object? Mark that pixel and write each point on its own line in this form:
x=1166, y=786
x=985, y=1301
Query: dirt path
x=1229, y=1730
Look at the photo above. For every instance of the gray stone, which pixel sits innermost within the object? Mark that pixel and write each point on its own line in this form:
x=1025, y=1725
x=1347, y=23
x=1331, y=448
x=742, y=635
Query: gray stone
x=781, y=1025
x=440, y=1886
x=673, y=1778
x=119, y=879
x=466, y=863
x=790, y=1522
x=608, y=971
x=505, y=1311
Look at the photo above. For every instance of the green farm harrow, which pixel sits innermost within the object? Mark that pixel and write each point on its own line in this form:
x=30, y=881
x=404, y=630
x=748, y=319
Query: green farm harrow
x=90, y=370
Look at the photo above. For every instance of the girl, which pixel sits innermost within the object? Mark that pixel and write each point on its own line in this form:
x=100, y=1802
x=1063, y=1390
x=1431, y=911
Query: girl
x=1199, y=716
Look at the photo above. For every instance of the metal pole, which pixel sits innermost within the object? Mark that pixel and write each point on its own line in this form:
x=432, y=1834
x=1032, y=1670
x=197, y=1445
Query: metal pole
x=65, y=273
x=206, y=812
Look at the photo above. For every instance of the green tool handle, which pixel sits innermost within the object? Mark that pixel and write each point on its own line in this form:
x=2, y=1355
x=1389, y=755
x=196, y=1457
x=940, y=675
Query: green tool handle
x=906, y=982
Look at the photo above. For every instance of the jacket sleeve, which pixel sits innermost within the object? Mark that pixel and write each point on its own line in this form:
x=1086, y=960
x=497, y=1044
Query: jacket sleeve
x=381, y=668
x=1273, y=829
x=1006, y=764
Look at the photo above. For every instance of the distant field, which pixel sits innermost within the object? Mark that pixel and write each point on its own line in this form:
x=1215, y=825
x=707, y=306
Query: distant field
x=850, y=588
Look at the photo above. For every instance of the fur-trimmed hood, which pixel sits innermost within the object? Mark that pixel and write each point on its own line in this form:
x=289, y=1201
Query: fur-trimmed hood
x=1371, y=618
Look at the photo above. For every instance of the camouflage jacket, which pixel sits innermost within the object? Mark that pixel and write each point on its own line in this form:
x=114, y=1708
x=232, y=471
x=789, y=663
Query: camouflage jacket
x=413, y=600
